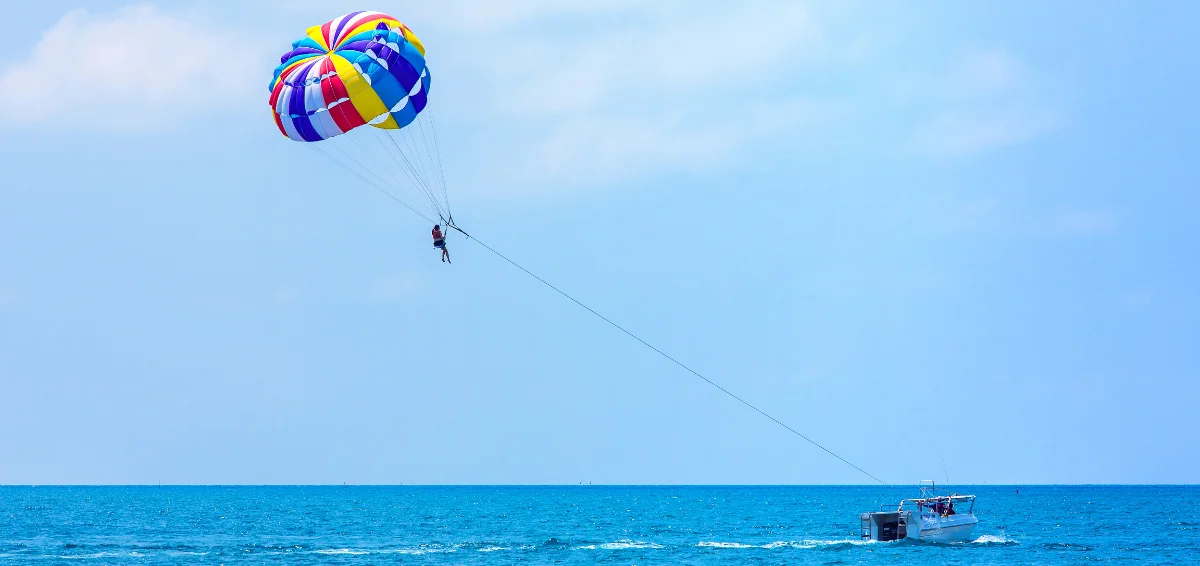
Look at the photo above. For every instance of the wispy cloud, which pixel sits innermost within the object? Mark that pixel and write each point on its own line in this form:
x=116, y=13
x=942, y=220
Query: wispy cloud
x=286, y=295
x=986, y=100
x=1085, y=222
x=963, y=131
x=470, y=16
x=394, y=287
x=984, y=73
x=9, y=297
x=640, y=89
x=593, y=149
x=130, y=69
x=228, y=296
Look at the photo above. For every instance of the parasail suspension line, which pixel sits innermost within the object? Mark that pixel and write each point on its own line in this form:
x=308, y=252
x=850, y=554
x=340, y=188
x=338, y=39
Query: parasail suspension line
x=450, y=223
x=665, y=355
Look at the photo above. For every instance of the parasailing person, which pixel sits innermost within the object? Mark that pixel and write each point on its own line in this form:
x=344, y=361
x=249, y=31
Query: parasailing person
x=439, y=242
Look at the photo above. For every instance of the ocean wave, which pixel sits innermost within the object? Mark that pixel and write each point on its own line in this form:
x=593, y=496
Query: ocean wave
x=624, y=544
x=714, y=544
x=493, y=548
x=335, y=551
x=994, y=539
x=798, y=544
x=1066, y=546
x=831, y=543
x=417, y=550
x=90, y=556
x=420, y=550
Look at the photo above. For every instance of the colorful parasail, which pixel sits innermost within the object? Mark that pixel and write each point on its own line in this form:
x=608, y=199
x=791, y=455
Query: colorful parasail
x=361, y=68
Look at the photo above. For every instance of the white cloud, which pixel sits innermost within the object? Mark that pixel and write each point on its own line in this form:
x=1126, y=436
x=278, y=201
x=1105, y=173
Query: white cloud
x=1085, y=222
x=651, y=55
x=644, y=88
x=131, y=69
x=9, y=298
x=286, y=295
x=605, y=148
x=471, y=16
x=962, y=131
x=477, y=15
x=987, y=100
x=1137, y=300
x=391, y=288
x=981, y=73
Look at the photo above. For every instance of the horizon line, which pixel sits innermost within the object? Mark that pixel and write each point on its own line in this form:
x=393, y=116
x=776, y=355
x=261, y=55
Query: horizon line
x=34, y=485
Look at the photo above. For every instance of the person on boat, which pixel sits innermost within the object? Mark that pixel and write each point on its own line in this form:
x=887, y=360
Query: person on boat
x=950, y=508
x=439, y=242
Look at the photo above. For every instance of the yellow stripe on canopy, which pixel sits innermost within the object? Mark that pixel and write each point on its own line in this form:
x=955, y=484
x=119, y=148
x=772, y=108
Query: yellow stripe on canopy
x=314, y=33
x=362, y=96
x=412, y=38
x=369, y=25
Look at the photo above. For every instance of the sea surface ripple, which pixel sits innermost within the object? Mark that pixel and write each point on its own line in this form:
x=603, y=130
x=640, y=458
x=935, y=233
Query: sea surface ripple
x=578, y=525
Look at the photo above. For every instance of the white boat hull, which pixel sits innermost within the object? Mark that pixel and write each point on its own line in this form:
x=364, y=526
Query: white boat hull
x=931, y=517
x=955, y=528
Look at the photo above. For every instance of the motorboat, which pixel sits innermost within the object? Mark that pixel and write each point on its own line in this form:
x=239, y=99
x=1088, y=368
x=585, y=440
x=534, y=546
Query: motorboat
x=931, y=517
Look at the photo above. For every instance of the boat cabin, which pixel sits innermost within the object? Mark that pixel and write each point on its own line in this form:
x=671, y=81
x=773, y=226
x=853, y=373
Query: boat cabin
x=942, y=518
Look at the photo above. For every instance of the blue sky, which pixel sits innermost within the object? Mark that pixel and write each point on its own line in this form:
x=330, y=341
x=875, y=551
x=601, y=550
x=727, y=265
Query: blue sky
x=943, y=239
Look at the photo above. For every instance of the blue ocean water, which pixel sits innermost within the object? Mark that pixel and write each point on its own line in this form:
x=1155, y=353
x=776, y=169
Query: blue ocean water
x=578, y=525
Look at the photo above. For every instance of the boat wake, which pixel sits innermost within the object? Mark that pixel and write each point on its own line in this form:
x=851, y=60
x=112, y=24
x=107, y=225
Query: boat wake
x=624, y=544
x=997, y=540
x=798, y=544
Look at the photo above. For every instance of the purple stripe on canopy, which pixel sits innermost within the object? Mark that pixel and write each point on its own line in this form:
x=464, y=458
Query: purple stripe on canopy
x=337, y=34
x=298, y=76
x=300, y=51
x=400, y=68
x=296, y=106
x=359, y=46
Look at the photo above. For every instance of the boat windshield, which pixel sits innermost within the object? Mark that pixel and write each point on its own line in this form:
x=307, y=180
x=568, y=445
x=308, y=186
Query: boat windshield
x=945, y=505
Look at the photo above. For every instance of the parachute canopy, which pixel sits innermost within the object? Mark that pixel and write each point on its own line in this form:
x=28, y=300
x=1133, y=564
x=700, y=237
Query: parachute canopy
x=365, y=68
x=361, y=68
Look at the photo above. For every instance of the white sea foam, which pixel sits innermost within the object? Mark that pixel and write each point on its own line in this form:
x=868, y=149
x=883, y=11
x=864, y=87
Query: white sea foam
x=87, y=556
x=714, y=544
x=493, y=548
x=420, y=551
x=624, y=544
x=785, y=544
x=993, y=539
x=835, y=542
x=412, y=551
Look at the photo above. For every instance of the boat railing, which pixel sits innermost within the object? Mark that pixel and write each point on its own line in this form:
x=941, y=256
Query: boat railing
x=955, y=497
x=929, y=505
